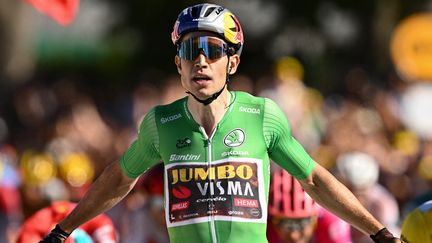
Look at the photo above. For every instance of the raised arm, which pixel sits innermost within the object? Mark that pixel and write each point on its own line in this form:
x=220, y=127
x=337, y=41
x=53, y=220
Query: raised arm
x=325, y=189
x=322, y=186
x=109, y=188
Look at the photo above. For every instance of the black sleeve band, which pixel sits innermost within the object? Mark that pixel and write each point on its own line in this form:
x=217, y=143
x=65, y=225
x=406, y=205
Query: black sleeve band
x=60, y=232
x=382, y=236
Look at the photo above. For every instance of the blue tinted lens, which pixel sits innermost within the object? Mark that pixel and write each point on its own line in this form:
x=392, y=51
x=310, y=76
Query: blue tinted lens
x=213, y=48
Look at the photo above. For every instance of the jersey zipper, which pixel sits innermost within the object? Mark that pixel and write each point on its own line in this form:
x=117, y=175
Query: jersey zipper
x=209, y=160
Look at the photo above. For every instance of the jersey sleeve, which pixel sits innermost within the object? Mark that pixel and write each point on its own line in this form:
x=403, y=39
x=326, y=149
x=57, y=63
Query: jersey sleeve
x=143, y=153
x=282, y=147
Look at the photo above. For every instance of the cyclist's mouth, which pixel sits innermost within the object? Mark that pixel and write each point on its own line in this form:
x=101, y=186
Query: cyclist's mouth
x=201, y=79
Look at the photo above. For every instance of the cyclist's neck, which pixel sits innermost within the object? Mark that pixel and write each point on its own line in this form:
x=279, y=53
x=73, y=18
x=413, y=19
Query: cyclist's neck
x=208, y=116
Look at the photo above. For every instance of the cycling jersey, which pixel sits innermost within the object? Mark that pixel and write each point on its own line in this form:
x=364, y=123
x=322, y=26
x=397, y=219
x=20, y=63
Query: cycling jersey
x=216, y=187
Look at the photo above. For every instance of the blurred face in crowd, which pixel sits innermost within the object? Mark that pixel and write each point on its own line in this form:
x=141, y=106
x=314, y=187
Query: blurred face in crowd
x=299, y=230
x=203, y=64
x=157, y=209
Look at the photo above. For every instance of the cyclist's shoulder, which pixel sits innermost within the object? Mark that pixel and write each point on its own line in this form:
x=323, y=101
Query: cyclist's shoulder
x=244, y=97
x=266, y=105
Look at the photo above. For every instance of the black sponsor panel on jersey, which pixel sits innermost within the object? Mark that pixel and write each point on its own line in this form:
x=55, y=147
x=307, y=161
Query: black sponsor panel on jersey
x=226, y=189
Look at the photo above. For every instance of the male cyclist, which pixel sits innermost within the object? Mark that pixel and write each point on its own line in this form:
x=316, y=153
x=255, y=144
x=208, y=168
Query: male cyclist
x=216, y=146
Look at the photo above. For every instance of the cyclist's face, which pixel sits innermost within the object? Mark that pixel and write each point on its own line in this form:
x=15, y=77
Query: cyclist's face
x=203, y=64
x=295, y=230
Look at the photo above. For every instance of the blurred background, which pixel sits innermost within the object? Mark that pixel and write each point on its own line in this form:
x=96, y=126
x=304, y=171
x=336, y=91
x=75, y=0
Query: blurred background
x=353, y=78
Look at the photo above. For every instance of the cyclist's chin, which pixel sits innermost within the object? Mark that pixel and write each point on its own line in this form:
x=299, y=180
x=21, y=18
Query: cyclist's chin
x=204, y=92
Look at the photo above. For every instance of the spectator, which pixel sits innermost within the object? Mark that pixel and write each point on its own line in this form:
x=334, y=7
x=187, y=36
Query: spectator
x=294, y=217
x=359, y=172
x=98, y=230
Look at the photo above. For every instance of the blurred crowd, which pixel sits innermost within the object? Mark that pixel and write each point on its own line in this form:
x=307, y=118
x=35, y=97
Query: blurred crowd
x=55, y=139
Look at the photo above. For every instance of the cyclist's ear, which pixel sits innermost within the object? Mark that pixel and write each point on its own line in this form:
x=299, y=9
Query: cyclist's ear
x=234, y=61
x=177, y=63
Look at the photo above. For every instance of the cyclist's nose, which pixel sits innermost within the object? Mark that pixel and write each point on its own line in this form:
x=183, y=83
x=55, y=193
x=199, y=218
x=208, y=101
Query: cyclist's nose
x=201, y=60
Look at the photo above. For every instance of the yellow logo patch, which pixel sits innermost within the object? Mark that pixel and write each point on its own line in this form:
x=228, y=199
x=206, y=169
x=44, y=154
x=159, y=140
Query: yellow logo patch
x=232, y=29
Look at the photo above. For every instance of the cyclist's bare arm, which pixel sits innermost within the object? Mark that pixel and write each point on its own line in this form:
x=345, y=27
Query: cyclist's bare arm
x=109, y=188
x=324, y=188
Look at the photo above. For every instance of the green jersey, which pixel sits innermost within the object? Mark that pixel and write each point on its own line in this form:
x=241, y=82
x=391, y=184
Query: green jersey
x=216, y=187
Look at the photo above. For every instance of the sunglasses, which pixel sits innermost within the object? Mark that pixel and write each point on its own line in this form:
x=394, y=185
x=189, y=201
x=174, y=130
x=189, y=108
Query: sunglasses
x=211, y=47
x=292, y=224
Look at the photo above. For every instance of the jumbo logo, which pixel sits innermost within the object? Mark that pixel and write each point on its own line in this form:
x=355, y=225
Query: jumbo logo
x=234, y=138
x=220, y=172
